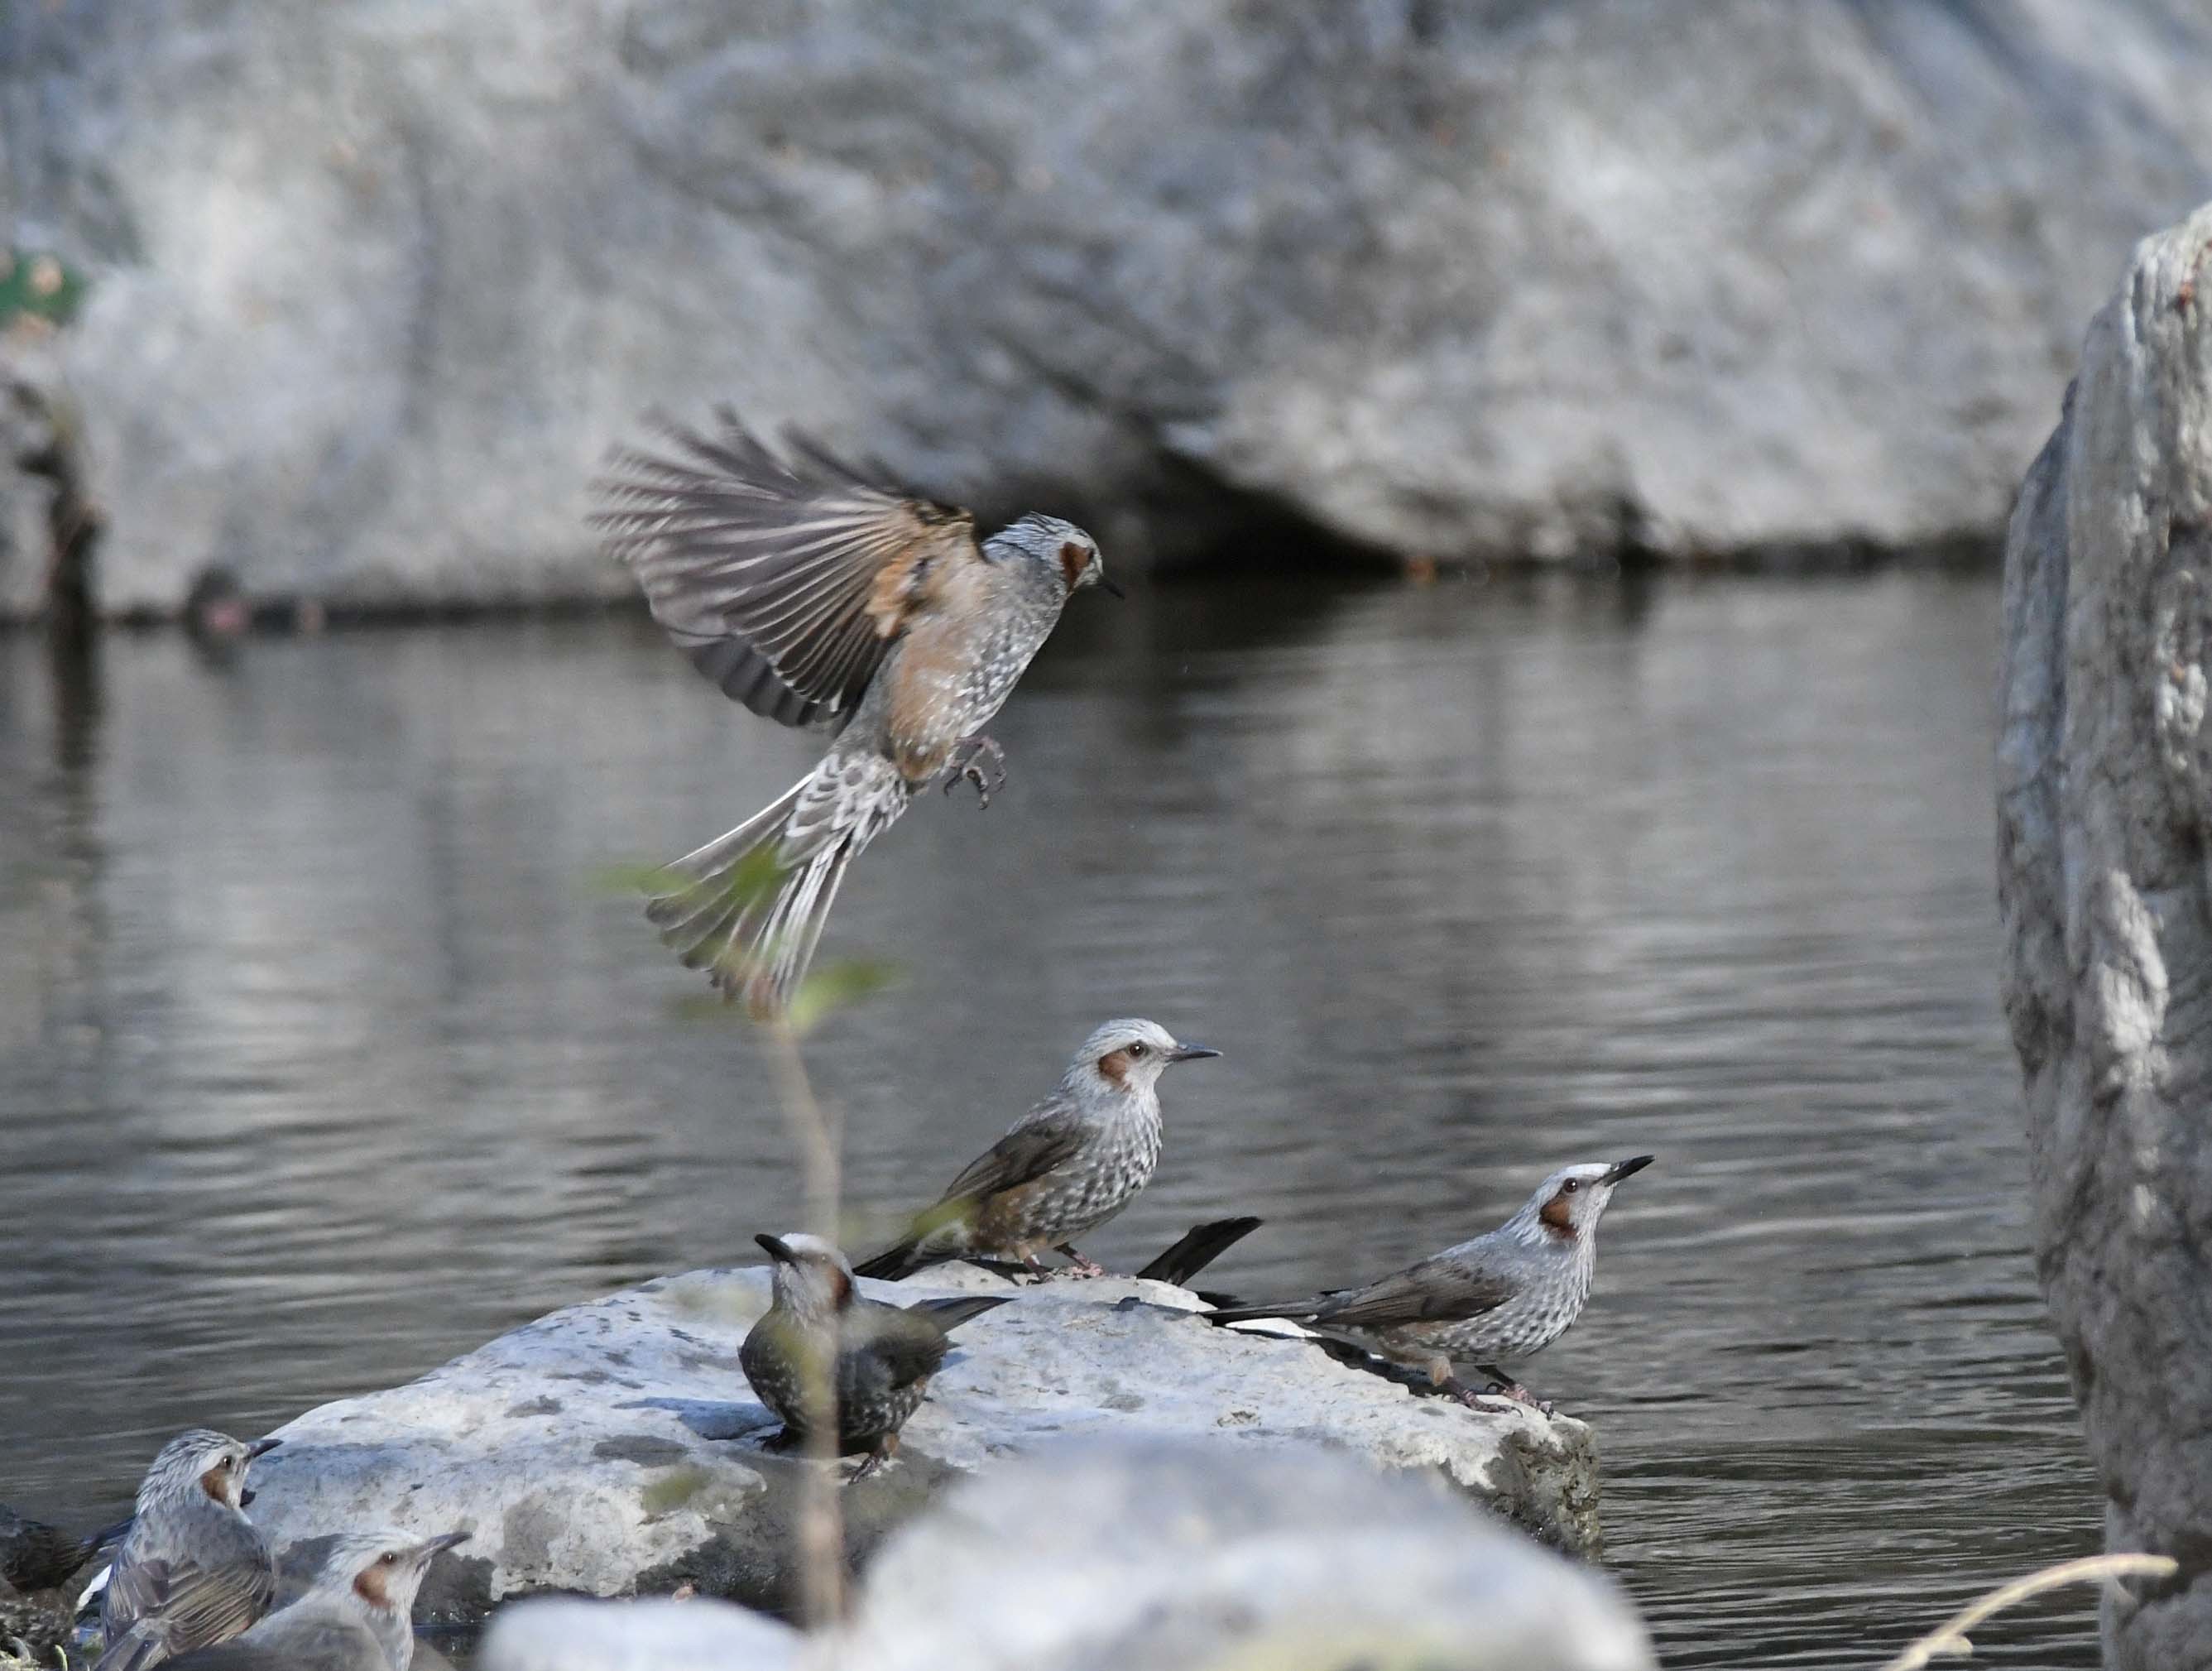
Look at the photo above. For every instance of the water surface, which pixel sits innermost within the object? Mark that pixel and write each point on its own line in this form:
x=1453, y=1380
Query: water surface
x=326, y=1059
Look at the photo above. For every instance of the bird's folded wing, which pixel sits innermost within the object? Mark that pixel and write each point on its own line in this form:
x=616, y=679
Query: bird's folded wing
x=894, y=1352
x=1434, y=1290
x=1022, y=1156
x=191, y=1605
x=786, y=581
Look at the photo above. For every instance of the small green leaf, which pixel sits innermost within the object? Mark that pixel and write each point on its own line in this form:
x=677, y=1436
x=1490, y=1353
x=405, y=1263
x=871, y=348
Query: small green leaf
x=831, y=987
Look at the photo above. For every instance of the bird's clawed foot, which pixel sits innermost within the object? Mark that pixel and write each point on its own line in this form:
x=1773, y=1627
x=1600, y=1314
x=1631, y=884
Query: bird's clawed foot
x=1077, y=1266
x=1520, y=1394
x=966, y=753
x=1454, y=1387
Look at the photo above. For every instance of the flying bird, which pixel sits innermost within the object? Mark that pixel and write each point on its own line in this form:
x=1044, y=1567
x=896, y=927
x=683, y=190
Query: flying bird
x=813, y=592
x=1504, y=1295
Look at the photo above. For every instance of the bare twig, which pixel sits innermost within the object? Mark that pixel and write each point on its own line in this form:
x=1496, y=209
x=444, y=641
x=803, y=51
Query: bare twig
x=1950, y=1637
x=818, y=1134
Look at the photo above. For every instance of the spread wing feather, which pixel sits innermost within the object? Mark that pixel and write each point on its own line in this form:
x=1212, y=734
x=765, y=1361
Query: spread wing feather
x=784, y=580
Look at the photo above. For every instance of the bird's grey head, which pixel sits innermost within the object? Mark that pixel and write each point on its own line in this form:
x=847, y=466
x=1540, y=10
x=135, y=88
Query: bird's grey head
x=1062, y=547
x=811, y=1276
x=1125, y=1058
x=379, y=1573
x=1566, y=1206
x=199, y=1462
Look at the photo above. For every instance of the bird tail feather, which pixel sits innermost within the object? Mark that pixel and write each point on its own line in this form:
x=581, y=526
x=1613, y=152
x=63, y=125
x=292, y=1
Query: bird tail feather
x=894, y=1263
x=750, y=906
x=1247, y=1314
x=1199, y=1248
x=949, y=1314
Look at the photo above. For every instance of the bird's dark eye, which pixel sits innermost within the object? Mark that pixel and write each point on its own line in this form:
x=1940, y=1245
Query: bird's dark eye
x=1570, y=1185
x=386, y=1558
x=1138, y=1048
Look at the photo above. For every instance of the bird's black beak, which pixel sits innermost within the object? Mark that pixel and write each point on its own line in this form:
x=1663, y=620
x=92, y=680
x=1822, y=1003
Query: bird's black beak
x=1191, y=1053
x=261, y=1448
x=1623, y=1168
x=438, y=1546
x=1109, y=588
x=776, y=1248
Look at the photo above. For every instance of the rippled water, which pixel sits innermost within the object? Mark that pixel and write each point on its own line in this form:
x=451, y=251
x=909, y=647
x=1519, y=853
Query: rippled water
x=326, y=1059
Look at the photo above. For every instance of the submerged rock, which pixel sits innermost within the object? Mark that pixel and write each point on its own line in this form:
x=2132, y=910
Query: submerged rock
x=2105, y=819
x=1111, y=1553
x=613, y=1447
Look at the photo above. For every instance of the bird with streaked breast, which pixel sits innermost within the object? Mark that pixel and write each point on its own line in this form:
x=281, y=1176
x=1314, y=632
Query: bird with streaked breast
x=809, y=592
x=1504, y=1295
x=1063, y=1170
x=193, y=1571
x=357, y=1615
x=821, y=1335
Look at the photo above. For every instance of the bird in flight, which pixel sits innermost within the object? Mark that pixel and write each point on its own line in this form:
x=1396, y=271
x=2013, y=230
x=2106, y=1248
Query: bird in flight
x=812, y=593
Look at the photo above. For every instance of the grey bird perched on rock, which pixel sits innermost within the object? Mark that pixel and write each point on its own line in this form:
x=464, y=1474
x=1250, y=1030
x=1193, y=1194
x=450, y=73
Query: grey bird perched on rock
x=809, y=592
x=1504, y=1295
x=193, y=1571
x=1067, y=1166
x=354, y=1617
x=875, y=1360
x=36, y=1556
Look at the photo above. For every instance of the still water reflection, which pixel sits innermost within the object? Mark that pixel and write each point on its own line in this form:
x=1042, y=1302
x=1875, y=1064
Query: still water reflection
x=324, y=1057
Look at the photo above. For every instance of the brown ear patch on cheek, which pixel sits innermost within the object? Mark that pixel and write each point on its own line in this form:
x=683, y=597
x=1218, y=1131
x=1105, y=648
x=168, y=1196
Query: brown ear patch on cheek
x=840, y=1287
x=1557, y=1215
x=214, y=1482
x=370, y=1586
x=1074, y=560
x=1114, y=1065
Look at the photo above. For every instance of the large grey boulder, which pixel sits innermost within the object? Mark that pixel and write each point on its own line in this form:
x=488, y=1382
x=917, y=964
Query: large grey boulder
x=377, y=283
x=2104, y=806
x=613, y=1447
x=1170, y=1555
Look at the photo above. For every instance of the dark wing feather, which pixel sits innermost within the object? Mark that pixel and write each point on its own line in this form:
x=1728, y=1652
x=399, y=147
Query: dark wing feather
x=1434, y=1290
x=889, y=1350
x=784, y=581
x=1022, y=1156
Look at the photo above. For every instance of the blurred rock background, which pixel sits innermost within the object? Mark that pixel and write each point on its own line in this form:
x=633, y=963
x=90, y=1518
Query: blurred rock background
x=372, y=285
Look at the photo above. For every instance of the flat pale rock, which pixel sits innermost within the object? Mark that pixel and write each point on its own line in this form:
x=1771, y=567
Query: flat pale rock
x=613, y=1447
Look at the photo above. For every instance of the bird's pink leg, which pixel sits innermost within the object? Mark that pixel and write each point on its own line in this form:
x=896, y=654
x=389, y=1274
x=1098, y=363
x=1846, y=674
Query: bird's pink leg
x=1078, y=1265
x=1502, y=1385
x=965, y=753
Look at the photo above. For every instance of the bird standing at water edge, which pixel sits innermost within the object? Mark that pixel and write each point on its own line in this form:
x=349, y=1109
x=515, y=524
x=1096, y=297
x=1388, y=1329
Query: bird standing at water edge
x=1502, y=1295
x=807, y=591
x=355, y=1617
x=1068, y=1165
x=873, y=1360
x=193, y=1571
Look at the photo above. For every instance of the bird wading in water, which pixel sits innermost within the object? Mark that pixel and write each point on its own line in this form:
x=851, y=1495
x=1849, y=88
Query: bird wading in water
x=355, y=1616
x=872, y=1361
x=193, y=1571
x=1067, y=1166
x=1504, y=1295
x=809, y=592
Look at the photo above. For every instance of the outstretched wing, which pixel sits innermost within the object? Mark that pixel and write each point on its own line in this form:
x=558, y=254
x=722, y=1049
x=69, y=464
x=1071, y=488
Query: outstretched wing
x=1440, y=1290
x=785, y=581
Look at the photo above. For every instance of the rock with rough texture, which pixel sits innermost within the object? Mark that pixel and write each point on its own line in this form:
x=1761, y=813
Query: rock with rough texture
x=613, y=1447
x=559, y=1634
x=2104, y=809
x=1178, y=1556
x=375, y=283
